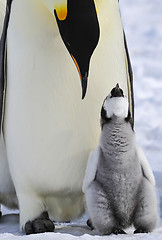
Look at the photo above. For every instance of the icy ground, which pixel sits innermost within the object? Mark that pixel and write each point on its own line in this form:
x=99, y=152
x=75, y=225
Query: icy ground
x=143, y=26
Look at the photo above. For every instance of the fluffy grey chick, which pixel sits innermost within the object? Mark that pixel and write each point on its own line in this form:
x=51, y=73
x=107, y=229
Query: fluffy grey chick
x=119, y=184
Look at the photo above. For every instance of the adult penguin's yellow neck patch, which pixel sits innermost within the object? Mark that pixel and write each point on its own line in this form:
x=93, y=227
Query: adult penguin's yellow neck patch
x=61, y=11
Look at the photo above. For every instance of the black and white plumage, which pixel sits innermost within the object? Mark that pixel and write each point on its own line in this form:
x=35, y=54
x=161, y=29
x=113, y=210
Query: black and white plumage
x=119, y=183
x=47, y=128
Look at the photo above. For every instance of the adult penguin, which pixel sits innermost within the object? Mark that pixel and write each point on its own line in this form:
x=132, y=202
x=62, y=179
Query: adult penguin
x=49, y=126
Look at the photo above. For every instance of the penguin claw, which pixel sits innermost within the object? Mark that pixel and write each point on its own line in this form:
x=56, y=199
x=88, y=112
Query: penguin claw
x=89, y=224
x=39, y=225
x=118, y=231
x=140, y=230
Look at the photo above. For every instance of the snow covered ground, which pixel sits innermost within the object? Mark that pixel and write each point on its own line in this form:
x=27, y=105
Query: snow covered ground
x=143, y=26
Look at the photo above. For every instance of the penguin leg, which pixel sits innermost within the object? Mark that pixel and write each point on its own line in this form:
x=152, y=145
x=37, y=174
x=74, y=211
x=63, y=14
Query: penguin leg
x=33, y=215
x=99, y=209
x=90, y=224
x=39, y=225
x=114, y=231
x=145, y=216
x=118, y=231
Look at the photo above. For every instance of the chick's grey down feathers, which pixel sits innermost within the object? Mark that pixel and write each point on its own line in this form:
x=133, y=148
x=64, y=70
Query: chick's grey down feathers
x=120, y=191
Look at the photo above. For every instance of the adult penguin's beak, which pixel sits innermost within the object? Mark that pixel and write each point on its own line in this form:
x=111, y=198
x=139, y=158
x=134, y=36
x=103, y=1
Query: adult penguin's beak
x=79, y=29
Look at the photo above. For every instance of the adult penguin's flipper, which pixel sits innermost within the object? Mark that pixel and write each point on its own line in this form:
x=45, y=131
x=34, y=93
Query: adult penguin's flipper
x=129, y=80
x=3, y=57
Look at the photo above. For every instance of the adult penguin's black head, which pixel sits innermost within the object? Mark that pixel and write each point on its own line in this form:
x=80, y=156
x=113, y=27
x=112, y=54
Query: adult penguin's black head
x=80, y=34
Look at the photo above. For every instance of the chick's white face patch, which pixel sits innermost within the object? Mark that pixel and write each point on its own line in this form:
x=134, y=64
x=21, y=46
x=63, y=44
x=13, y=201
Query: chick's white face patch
x=117, y=106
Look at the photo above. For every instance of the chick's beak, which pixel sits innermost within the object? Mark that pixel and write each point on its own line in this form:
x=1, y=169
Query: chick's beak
x=117, y=92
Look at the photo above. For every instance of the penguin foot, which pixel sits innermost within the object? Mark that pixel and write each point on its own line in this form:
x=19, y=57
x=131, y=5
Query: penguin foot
x=39, y=225
x=118, y=231
x=89, y=224
x=140, y=230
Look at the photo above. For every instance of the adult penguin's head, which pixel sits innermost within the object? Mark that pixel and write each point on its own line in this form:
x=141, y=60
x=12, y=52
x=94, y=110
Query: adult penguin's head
x=79, y=29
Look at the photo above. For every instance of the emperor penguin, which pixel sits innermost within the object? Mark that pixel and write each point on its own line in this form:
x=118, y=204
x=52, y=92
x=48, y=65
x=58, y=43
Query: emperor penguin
x=119, y=184
x=48, y=124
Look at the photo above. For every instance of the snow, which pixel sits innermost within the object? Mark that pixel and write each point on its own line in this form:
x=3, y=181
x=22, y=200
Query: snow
x=142, y=21
x=69, y=231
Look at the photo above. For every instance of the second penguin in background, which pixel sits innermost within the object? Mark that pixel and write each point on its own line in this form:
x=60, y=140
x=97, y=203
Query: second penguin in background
x=119, y=185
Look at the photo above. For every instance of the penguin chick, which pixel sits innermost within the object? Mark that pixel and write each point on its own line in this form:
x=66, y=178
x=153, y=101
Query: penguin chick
x=119, y=184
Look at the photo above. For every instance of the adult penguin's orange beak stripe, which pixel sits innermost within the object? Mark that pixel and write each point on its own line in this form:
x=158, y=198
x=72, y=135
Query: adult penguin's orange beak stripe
x=61, y=11
x=82, y=79
x=76, y=64
x=80, y=34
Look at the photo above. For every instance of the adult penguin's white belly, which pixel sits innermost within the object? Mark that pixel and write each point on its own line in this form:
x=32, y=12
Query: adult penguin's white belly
x=49, y=131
